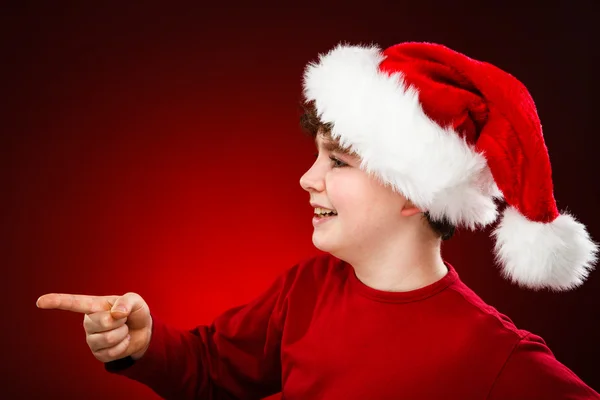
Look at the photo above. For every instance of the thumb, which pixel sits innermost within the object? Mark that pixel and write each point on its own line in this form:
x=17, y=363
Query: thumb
x=120, y=309
x=133, y=307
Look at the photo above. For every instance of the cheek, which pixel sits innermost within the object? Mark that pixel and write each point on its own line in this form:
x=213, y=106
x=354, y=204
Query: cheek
x=378, y=204
x=353, y=193
x=354, y=190
x=340, y=189
x=390, y=202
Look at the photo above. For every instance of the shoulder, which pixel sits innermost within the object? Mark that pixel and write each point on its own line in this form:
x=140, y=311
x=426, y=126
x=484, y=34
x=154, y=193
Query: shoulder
x=521, y=363
x=481, y=315
x=531, y=371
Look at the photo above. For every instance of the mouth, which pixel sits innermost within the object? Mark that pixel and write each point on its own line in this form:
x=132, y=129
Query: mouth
x=322, y=215
x=321, y=212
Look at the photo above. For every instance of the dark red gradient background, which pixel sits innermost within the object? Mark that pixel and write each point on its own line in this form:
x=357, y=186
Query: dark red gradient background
x=157, y=150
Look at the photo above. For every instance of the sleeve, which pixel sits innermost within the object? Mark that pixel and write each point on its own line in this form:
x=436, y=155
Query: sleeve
x=237, y=356
x=532, y=372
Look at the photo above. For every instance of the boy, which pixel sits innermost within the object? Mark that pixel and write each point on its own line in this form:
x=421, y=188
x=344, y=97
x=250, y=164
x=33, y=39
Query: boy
x=412, y=141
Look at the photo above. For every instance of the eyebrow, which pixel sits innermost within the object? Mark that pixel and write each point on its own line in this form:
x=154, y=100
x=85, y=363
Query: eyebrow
x=332, y=146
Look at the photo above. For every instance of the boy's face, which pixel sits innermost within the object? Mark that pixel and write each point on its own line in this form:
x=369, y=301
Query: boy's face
x=368, y=213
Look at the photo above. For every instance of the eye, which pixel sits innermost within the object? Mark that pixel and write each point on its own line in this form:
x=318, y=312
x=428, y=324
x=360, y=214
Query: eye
x=336, y=163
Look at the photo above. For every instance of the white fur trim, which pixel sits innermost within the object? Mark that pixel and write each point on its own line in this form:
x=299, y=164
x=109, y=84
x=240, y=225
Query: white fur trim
x=558, y=255
x=381, y=119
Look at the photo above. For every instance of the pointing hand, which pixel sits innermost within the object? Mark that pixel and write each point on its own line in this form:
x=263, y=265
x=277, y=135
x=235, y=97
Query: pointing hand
x=115, y=326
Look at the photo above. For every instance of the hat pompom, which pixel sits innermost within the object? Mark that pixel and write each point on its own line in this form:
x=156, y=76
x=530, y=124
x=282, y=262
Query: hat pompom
x=557, y=255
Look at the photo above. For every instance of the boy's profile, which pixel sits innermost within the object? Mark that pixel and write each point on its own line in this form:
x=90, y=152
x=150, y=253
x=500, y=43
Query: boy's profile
x=412, y=142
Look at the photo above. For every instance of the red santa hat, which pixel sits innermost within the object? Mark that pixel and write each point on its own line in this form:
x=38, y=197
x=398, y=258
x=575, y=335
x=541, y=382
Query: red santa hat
x=453, y=134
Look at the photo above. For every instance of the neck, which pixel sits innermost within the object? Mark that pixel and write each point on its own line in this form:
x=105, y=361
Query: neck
x=407, y=262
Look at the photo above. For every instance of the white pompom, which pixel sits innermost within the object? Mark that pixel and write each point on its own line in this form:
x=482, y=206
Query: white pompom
x=558, y=255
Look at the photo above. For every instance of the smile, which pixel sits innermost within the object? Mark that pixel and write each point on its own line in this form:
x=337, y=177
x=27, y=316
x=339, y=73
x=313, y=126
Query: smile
x=319, y=219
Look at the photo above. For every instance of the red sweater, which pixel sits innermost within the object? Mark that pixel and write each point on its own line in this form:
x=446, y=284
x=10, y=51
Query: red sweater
x=320, y=333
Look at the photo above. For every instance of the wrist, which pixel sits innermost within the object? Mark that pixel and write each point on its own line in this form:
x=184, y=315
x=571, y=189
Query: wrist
x=139, y=354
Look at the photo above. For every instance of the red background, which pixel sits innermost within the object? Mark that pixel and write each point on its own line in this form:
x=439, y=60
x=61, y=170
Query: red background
x=157, y=150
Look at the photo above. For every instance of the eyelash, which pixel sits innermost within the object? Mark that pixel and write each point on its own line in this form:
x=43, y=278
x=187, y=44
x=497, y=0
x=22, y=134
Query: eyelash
x=336, y=163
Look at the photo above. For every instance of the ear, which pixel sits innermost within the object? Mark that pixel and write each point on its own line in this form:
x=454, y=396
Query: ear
x=410, y=209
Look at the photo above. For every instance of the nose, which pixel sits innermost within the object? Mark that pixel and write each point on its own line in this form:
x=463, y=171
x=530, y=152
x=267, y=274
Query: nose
x=313, y=180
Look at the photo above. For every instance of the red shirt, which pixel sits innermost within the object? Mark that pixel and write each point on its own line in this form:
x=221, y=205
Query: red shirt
x=320, y=333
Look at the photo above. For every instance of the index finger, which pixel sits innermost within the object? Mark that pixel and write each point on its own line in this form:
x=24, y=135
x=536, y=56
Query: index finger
x=76, y=302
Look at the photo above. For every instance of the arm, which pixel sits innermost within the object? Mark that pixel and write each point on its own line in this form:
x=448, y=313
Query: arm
x=532, y=372
x=237, y=356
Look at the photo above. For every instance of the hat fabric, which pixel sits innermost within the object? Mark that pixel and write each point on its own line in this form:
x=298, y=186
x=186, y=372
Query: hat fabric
x=453, y=135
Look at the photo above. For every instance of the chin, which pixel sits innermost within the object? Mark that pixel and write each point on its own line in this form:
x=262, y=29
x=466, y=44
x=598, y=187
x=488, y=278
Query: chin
x=328, y=246
x=323, y=244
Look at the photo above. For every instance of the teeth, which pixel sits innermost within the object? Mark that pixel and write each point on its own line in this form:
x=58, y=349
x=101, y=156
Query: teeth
x=323, y=211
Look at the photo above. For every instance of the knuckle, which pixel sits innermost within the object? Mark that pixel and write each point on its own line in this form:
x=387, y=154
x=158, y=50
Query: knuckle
x=90, y=344
x=105, y=320
x=114, y=352
x=87, y=323
x=101, y=356
x=133, y=296
x=129, y=295
x=129, y=299
x=111, y=338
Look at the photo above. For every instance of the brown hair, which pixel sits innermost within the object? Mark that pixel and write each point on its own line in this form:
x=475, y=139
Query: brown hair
x=312, y=125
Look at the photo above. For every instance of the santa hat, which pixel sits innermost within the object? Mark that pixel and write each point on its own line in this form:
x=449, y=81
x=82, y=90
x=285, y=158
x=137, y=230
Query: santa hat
x=452, y=134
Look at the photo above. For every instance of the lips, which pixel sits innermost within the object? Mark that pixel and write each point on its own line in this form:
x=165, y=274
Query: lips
x=319, y=220
x=322, y=214
x=315, y=205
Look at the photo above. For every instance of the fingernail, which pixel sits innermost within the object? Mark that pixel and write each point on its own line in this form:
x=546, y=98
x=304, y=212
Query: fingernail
x=36, y=302
x=120, y=309
x=128, y=337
